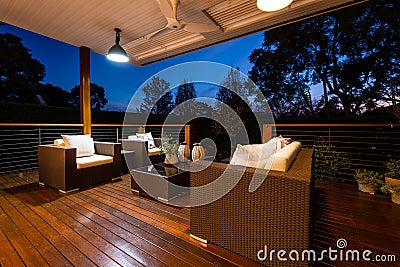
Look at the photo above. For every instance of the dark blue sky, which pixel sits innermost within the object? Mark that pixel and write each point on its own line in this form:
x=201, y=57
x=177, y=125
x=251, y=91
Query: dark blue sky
x=120, y=80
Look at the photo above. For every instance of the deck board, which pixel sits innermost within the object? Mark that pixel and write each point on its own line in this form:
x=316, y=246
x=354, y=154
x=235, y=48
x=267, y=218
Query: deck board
x=108, y=225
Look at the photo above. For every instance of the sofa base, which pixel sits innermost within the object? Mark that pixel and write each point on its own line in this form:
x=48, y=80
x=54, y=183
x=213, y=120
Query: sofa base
x=116, y=179
x=198, y=239
x=68, y=192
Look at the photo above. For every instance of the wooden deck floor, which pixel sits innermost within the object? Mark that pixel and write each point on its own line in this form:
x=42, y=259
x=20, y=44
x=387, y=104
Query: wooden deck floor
x=107, y=225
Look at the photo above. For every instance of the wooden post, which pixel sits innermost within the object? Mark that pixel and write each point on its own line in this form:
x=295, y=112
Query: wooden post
x=85, y=106
x=188, y=135
x=267, y=132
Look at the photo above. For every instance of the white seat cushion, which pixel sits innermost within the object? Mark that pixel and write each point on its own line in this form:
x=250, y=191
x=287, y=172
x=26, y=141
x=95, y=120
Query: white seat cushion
x=94, y=160
x=154, y=151
x=285, y=157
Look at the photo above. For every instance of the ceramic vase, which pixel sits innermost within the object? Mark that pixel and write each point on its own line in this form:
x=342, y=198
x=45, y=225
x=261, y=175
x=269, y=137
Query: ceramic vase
x=198, y=152
x=184, y=152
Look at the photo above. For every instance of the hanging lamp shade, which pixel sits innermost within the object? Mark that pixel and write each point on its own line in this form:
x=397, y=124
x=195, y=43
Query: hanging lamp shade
x=272, y=5
x=116, y=52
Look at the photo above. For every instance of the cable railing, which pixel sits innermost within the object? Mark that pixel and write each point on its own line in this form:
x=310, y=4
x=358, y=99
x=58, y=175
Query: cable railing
x=19, y=142
x=359, y=146
x=355, y=146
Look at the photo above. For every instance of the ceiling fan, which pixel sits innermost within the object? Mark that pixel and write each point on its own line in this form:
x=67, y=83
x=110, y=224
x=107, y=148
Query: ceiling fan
x=173, y=24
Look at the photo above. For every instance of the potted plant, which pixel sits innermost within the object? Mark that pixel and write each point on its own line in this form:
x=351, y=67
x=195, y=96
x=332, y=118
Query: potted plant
x=368, y=181
x=392, y=176
x=394, y=191
x=170, y=151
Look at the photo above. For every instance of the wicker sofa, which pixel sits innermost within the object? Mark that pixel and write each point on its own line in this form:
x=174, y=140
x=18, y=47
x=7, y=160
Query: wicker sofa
x=276, y=215
x=60, y=168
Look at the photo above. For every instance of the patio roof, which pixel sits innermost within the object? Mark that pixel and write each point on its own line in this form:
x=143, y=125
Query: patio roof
x=90, y=23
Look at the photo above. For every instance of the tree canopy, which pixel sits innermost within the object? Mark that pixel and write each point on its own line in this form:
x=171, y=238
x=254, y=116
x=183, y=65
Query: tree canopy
x=158, y=97
x=97, y=96
x=20, y=74
x=353, y=54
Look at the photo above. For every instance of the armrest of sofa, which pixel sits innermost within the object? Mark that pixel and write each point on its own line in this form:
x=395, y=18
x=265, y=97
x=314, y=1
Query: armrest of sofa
x=56, y=161
x=106, y=148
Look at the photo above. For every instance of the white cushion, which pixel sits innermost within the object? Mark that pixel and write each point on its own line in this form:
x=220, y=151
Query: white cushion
x=132, y=137
x=59, y=142
x=255, y=156
x=147, y=137
x=285, y=157
x=84, y=144
x=94, y=160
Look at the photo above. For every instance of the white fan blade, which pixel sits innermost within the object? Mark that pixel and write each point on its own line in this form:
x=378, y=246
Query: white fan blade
x=166, y=8
x=199, y=27
x=156, y=34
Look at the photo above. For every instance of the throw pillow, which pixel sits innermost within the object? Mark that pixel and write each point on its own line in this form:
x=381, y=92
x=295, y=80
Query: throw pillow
x=84, y=144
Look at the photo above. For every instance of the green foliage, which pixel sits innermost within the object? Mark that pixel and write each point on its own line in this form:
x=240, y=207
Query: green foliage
x=167, y=148
x=353, y=53
x=98, y=99
x=369, y=177
x=393, y=167
x=328, y=162
x=390, y=188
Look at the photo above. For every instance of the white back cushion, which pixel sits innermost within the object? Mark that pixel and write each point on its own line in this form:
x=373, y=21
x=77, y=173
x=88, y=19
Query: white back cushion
x=84, y=144
x=284, y=158
x=255, y=156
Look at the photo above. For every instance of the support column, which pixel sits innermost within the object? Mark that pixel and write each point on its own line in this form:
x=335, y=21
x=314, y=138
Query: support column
x=267, y=132
x=188, y=135
x=85, y=106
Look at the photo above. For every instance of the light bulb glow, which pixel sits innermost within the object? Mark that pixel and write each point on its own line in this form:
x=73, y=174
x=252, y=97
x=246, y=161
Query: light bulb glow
x=272, y=5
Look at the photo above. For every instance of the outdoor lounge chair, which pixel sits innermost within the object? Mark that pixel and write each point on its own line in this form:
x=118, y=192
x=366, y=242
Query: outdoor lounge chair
x=275, y=215
x=60, y=168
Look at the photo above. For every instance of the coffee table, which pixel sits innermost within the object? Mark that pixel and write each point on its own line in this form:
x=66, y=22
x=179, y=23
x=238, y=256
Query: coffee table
x=155, y=178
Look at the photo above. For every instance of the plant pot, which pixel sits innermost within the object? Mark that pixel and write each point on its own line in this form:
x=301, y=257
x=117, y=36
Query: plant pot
x=171, y=159
x=392, y=181
x=395, y=197
x=367, y=188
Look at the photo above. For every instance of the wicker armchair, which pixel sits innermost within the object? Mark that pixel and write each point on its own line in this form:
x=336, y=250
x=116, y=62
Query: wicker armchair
x=277, y=214
x=58, y=167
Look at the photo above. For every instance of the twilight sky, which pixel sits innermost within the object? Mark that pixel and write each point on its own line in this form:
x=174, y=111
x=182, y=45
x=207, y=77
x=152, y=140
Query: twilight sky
x=120, y=80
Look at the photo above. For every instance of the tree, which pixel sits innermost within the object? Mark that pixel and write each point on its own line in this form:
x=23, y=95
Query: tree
x=20, y=74
x=232, y=93
x=186, y=91
x=158, y=97
x=97, y=96
x=54, y=95
x=352, y=53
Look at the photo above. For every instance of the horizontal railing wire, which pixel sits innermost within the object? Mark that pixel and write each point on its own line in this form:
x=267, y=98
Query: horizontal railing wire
x=19, y=143
x=363, y=147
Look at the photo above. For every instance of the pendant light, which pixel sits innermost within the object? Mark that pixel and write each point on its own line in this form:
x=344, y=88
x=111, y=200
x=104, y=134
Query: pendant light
x=116, y=52
x=272, y=5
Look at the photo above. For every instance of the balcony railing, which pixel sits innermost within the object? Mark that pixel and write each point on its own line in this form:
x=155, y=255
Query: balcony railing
x=363, y=145
x=19, y=142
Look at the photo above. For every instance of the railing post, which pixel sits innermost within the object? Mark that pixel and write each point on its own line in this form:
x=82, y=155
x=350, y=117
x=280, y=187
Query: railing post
x=188, y=135
x=266, y=133
x=117, y=134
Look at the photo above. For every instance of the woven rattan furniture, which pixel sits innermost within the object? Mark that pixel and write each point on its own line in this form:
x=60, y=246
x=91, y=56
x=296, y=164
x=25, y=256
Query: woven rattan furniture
x=276, y=215
x=58, y=167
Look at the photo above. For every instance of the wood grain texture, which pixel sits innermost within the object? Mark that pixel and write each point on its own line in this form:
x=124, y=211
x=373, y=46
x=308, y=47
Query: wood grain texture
x=107, y=225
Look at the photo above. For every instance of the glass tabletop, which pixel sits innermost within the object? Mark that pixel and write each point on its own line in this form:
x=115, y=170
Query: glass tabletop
x=164, y=169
